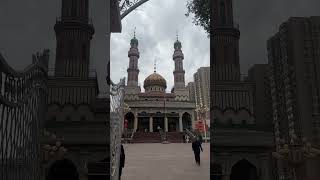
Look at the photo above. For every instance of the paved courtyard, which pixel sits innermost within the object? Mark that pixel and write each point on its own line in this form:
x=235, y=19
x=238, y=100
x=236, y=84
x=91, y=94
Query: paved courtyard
x=165, y=162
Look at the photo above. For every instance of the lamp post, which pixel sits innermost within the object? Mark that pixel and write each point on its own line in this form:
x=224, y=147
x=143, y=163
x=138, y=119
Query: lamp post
x=202, y=110
x=56, y=151
x=296, y=155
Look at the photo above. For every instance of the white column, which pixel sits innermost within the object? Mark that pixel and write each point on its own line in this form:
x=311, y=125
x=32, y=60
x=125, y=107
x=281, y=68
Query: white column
x=135, y=122
x=151, y=124
x=180, y=123
x=166, y=124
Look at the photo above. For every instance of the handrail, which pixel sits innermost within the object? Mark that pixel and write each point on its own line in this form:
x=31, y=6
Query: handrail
x=190, y=134
x=116, y=123
x=23, y=93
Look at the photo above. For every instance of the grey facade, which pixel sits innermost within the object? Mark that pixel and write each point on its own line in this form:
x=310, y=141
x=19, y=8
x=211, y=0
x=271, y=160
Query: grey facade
x=294, y=59
x=77, y=112
x=241, y=137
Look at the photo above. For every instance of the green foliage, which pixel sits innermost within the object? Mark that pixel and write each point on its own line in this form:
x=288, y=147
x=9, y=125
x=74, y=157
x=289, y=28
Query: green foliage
x=201, y=11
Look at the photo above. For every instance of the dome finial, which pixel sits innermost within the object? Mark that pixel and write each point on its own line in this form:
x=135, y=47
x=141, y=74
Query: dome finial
x=134, y=40
x=177, y=35
x=155, y=65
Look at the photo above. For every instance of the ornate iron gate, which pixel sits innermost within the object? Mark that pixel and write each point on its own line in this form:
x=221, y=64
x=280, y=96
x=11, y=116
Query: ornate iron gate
x=116, y=125
x=22, y=110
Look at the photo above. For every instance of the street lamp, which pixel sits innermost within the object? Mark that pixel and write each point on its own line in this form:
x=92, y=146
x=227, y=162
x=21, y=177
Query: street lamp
x=202, y=110
x=295, y=155
x=56, y=151
x=126, y=108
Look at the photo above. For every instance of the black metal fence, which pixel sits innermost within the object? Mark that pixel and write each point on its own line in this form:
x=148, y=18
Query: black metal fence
x=22, y=110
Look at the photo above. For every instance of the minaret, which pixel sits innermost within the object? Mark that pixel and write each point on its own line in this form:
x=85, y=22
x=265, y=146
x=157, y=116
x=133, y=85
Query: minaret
x=133, y=55
x=178, y=72
x=225, y=42
x=74, y=33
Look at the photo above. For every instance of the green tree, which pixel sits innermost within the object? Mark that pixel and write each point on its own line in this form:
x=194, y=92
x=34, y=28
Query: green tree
x=201, y=11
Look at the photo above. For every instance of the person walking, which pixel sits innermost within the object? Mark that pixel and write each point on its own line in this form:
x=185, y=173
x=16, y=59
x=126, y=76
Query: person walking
x=196, y=147
x=200, y=139
x=122, y=161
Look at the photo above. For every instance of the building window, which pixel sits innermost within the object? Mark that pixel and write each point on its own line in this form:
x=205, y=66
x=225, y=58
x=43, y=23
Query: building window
x=244, y=122
x=83, y=118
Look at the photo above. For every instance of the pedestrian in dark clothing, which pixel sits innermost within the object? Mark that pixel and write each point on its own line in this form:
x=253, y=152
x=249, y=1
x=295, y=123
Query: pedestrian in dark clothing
x=196, y=147
x=122, y=161
x=200, y=139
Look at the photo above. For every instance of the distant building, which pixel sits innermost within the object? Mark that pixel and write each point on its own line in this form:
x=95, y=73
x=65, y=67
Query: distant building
x=294, y=59
x=201, y=88
x=192, y=93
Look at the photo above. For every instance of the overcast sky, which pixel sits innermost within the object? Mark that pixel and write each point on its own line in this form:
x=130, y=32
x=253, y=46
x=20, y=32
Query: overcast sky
x=26, y=26
x=156, y=25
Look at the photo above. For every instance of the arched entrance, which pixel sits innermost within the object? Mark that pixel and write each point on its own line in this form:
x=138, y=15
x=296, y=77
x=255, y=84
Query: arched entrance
x=216, y=172
x=130, y=117
x=186, y=121
x=244, y=170
x=63, y=170
x=173, y=124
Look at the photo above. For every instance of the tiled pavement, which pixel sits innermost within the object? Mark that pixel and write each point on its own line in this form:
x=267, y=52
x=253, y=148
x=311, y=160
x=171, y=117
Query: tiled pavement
x=165, y=162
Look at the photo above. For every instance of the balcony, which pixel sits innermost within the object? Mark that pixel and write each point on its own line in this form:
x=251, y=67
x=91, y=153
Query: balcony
x=75, y=20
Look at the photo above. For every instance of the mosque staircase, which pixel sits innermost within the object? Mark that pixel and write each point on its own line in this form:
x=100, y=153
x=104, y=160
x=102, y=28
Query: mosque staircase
x=175, y=137
x=146, y=137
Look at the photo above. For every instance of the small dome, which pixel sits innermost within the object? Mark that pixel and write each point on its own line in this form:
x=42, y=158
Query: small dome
x=177, y=45
x=155, y=79
x=134, y=41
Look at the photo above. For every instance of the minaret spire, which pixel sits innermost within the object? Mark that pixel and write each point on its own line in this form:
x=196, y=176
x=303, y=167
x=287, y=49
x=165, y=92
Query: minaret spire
x=225, y=56
x=133, y=54
x=155, y=65
x=177, y=35
x=178, y=73
x=74, y=32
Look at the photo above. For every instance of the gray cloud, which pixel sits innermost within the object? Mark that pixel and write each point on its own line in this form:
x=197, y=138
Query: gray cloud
x=27, y=27
x=157, y=23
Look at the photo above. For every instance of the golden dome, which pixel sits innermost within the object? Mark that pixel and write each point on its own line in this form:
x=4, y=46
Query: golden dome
x=155, y=79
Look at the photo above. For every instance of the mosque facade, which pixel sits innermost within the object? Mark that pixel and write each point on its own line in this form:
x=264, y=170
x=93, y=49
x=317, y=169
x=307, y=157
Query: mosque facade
x=157, y=108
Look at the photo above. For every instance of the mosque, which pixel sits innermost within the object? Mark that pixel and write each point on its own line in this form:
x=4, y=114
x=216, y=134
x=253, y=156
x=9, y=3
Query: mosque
x=156, y=108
